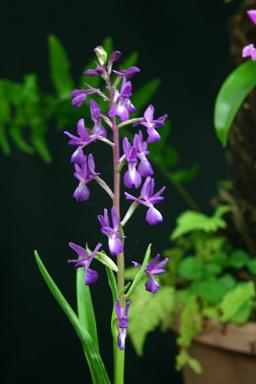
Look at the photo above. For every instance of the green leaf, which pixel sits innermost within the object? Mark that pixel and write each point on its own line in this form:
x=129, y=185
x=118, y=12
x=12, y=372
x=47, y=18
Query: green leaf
x=235, y=299
x=233, y=92
x=105, y=260
x=131, y=60
x=251, y=265
x=190, y=322
x=185, y=175
x=238, y=258
x=243, y=313
x=212, y=291
x=85, y=308
x=184, y=358
x=145, y=94
x=112, y=284
x=191, y=221
x=147, y=311
x=95, y=363
x=140, y=272
x=59, y=66
x=108, y=45
x=191, y=268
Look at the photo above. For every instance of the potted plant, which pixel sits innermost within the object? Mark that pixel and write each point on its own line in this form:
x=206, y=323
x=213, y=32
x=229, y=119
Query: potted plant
x=208, y=294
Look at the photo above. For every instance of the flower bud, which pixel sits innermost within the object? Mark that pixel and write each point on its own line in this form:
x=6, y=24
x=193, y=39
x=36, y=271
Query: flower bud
x=101, y=54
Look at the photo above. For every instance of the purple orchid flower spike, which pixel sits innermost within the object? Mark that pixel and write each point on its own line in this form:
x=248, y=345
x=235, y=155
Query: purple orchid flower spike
x=132, y=178
x=80, y=95
x=127, y=72
x=85, y=261
x=114, y=243
x=153, y=269
x=151, y=124
x=149, y=199
x=144, y=168
x=96, y=116
x=123, y=106
x=122, y=319
x=84, y=173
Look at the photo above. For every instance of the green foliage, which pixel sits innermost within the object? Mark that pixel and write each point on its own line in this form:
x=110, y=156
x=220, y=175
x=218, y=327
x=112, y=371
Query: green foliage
x=85, y=309
x=190, y=322
x=232, y=94
x=191, y=221
x=59, y=68
x=184, y=358
x=95, y=363
x=235, y=300
x=147, y=312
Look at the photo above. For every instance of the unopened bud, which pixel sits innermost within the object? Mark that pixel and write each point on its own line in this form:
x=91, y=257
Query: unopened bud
x=101, y=54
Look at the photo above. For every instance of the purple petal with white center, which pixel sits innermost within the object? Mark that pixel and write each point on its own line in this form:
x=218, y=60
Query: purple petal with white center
x=153, y=135
x=94, y=72
x=153, y=216
x=78, y=156
x=149, y=113
x=91, y=276
x=144, y=168
x=121, y=339
x=115, y=246
x=82, y=192
x=132, y=178
x=252, y=15
x=152, y=285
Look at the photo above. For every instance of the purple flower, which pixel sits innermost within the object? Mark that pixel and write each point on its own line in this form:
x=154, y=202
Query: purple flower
x=91, y=276
x=96, y=116
x=249, y=51
x=132, y=178
x=114, y=57
x=99, y=70
x=144, y=168
x=123, y=106
x=127, y=72
x=80, y=95
x=83, y=137
x=252, y=14
x=151, y=124
x=122, y=319
x=152, y=269
x=149, y=199
x=84, y=173
x=114, y=243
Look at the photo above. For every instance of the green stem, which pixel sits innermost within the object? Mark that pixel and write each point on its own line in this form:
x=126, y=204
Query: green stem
x=119, y=356
x=119, y=367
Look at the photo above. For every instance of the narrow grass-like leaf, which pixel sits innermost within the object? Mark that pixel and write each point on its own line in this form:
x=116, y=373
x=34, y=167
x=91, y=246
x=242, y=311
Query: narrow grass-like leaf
x=104, y=259
x=140, y=273
x=231, y=96
x=85, y=308
x=59, y=66
x=112, y=284
x=95, y=363
x=4, y=118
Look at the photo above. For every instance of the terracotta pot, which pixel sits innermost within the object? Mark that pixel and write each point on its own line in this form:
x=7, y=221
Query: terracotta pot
x=227, y=354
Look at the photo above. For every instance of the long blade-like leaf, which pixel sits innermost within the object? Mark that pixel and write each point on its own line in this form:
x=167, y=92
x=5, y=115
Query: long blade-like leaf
x=59, y=65
x=231, y=95
x=145, y=93
x=95, y=363
x=140, y=273
x=85, y=306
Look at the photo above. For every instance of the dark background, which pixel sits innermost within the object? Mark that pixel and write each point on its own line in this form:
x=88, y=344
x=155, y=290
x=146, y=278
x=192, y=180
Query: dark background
x=184, y=43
